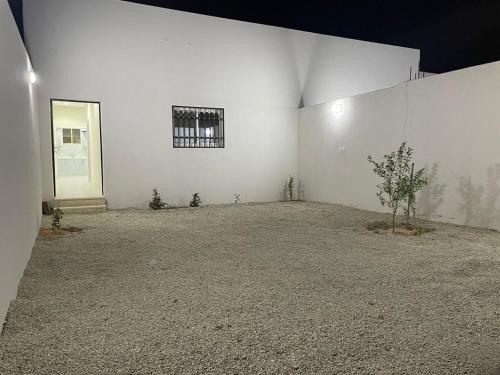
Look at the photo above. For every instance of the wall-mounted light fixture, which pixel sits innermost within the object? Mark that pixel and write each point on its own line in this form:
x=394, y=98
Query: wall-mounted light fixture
x=337, y=108
x=32, y=77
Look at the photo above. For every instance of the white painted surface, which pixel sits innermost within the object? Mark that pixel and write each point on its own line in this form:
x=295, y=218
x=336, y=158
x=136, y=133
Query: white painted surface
x=333, y=68
x=138, y=61
x=20, y=188
x=452, y=119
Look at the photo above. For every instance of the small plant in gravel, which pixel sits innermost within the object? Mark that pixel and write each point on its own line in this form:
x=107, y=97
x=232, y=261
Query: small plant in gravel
x=237, y=198
x=291, y=185
x=195, y=201
x=400, y=183
x=156, y=202
x=57, y=218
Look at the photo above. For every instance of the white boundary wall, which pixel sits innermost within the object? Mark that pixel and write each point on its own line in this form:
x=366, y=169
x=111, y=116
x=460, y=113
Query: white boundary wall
x=452, y=120
x=20, y=187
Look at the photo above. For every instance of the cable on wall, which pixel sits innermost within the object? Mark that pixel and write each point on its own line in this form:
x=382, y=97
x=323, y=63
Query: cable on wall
x=406, y=112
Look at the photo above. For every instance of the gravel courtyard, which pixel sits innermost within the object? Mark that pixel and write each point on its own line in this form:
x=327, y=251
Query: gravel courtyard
x=278, y=288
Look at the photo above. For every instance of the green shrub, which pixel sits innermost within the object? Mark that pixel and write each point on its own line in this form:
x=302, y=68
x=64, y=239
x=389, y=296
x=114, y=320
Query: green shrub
x=57, y=218
x=195, y=201
x=400, y=183
x=291, y=184
x=156, y=202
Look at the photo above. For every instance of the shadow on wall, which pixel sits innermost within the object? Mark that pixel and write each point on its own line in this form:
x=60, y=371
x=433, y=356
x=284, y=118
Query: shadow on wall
x=300, y=191
x=471, y=199
x=284, y=194
x=431, y=195
x=479, y=204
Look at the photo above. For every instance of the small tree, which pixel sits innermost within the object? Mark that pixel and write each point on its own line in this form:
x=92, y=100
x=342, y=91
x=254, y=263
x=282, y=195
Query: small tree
x=57, y=218
x=291, y=184
x=195, y=201
x=156, y=202
x=397, y=184
x=237, y=198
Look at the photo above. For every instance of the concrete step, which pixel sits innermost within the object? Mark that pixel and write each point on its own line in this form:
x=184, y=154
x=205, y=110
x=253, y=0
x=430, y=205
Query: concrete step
x=84, y=209
x=89, y=205
x=79, y=202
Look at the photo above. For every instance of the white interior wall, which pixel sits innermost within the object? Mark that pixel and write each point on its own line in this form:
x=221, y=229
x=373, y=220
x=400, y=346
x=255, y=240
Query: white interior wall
x=20, y=187
x=451, y=119
x=138, y=61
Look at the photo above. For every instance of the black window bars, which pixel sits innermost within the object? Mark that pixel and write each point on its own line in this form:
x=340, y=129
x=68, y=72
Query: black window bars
x=198, y=127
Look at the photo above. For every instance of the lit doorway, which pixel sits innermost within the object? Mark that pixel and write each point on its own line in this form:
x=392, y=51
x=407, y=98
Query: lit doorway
x=76, y=149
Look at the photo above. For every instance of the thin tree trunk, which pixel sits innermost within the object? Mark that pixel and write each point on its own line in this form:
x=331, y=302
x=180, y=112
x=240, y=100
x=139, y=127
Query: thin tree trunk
x=393, y=221
x=410, y=196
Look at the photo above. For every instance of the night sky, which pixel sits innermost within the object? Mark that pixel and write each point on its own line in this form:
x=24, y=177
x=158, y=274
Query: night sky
x=450, y=34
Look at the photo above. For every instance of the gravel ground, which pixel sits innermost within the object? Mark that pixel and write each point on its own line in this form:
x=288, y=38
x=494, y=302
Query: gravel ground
x=276, y=288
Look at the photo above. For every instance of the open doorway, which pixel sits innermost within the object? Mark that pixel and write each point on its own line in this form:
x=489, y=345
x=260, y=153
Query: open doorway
x=76, y=148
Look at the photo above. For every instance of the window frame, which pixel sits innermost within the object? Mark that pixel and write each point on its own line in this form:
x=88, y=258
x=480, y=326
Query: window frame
x=72, y=137
x=221, y=139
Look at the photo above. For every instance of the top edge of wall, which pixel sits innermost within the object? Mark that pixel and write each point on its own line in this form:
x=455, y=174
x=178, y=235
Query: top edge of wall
x=256, y=24
x=409, y=82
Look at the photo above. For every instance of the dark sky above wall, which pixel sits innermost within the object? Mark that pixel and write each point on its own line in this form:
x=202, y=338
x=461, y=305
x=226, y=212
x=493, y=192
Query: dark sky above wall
x=450, y=34
x=17, y=10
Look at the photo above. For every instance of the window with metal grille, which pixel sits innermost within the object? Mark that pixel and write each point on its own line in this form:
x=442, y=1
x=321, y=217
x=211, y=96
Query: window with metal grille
x=198, y=127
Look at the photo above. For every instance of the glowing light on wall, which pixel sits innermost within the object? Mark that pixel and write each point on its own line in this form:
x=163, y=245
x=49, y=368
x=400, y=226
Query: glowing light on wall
x=32, y=78
x=337, y=108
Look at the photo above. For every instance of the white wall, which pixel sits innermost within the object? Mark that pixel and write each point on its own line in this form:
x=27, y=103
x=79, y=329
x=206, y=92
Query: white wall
x=20, y=187
x=138, y=61
x=452, y=120
x=333, y=68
